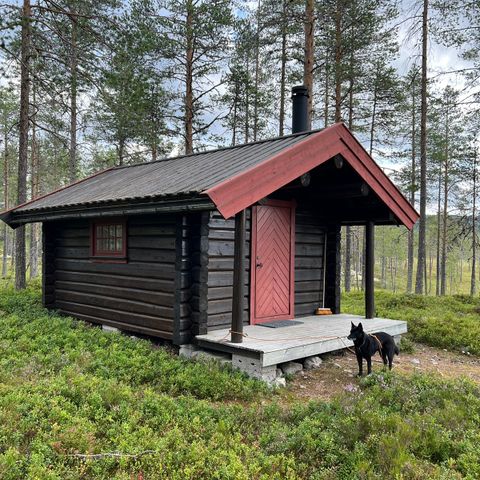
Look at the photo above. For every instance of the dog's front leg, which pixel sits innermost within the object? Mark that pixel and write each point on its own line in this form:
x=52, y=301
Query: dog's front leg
x=360, y=364
x=369, y=365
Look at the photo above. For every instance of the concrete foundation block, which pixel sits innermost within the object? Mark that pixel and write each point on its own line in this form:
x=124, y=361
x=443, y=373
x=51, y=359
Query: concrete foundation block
x=187, y=350
x=253, y=368
x=291, y=368
x=208, y=356
x=311, y=363
x=108, y=328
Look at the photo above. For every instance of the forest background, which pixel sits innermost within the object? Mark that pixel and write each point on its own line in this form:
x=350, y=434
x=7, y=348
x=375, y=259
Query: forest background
x=90, y=84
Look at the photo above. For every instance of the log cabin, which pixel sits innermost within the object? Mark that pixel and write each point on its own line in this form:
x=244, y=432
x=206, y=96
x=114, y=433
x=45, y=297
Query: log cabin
x=200, y=248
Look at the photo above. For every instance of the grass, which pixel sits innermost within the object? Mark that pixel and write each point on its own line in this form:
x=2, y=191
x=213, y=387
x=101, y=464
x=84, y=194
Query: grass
x=451, y=322
x=67, y=390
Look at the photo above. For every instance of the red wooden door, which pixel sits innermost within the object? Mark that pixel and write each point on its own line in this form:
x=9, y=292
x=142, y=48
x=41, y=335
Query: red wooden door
x=272, y=263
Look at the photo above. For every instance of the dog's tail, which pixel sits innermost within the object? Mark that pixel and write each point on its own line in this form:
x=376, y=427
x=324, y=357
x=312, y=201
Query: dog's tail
x=396, y=350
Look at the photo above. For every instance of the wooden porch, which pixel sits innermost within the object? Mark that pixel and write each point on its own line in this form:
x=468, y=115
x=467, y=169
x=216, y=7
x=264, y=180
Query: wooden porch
x=315, y=335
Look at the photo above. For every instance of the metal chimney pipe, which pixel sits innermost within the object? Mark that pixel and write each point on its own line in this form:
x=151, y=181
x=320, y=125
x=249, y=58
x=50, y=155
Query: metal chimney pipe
x=299, y=108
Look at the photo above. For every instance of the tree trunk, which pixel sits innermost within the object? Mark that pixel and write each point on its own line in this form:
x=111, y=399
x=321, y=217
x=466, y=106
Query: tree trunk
x=247, y=103
x=411, y=234
x=309, y=57
x=439, y=209
x=283, y=71
x=72, y=154
x=33, y=192
x=6, y=233
x=20, y=279
x=473, y=285
x=421, y=256
x=121, y=151
x=235, y=114
x=445, y=209
x=374, y=112
x=189, y=80
x=327, y=92
x=348, y=234
x=257, y=72
x=338, y=60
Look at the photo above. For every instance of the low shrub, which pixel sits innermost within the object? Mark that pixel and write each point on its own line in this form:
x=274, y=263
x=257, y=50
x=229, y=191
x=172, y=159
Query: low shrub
x=451, y=322
x=77, y=403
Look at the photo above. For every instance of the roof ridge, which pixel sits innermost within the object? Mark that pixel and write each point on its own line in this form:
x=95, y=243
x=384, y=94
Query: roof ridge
x=220, y=149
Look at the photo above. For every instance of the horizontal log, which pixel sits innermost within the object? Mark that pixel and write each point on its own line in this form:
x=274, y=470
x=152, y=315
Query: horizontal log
x=225, y=263
x=154, y=332
x=152, y=242
x=309, y=286
x=128, y=269
x=310, y=238
x=224, y=319
x=164, y=299
x=151, y=255
x=143, y=283
x=73, y=252
x=308, y=250
x=159, y=230
x=305, y=309
x=223, y=306
x=309, y=263
x=73, y=242
x=113, y=303
x=126, y=318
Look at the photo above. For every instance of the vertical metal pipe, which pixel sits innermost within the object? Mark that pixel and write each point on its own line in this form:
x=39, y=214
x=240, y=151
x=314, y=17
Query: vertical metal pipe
x=238, y=278
x=369, y=270
x=299, y=109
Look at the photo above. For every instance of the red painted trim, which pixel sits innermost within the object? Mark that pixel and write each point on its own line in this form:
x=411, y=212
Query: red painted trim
x=255, y=183
x=56, y=191
x=108, y=257
x=253, y=256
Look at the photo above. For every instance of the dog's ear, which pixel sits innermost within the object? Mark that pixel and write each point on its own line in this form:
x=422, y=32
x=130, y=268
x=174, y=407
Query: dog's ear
x=360, y=326
x=353, y=325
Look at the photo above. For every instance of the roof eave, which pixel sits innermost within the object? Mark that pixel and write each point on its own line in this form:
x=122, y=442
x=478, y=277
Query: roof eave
x=15, y=218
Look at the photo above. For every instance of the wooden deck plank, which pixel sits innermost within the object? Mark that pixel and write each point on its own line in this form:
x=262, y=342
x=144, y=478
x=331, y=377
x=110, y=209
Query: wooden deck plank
x=316, y=335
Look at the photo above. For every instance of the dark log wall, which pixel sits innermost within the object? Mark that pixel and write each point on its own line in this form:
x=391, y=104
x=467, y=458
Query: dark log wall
x=333, y=269
x=48, y=262
x=309, y=245
x=309, y=249
x=220, y=271
x=191, y=277
x=136, y=296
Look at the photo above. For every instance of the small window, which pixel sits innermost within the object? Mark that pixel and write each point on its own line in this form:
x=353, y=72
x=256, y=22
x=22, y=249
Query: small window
x=108, y=239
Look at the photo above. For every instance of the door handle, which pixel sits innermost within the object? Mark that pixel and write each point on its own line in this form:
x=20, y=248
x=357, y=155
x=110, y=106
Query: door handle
x=259, y=264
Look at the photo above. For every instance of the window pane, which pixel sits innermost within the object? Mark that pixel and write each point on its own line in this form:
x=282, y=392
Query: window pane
x=108, y=239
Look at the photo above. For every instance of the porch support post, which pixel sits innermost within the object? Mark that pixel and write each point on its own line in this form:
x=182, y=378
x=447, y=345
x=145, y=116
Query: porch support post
x=238, y=277
x=332, y=268
x=369, y=270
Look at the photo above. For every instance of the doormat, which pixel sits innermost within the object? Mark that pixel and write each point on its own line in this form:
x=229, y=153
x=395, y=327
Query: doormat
x=279, y=323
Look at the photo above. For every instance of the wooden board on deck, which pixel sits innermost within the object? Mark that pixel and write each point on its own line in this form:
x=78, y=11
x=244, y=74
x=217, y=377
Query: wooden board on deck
x=316, y=335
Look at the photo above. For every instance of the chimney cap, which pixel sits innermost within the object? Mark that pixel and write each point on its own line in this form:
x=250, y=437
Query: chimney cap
x=299, y=90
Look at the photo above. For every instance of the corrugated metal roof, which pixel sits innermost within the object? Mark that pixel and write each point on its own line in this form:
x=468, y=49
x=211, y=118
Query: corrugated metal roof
x=187, y=174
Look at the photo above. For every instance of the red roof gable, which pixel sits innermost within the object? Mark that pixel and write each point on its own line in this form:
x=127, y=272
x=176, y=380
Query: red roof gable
x=251, y=185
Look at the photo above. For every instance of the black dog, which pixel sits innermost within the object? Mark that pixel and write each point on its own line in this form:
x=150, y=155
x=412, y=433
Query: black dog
x=366, y=345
